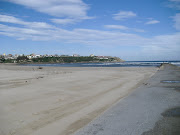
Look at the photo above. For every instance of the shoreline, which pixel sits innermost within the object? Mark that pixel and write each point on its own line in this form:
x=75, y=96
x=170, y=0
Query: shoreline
x=61, y=100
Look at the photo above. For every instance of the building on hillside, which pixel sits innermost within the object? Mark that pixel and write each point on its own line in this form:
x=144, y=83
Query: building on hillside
x=102, y=57
x=92, y=55
x=76, y=55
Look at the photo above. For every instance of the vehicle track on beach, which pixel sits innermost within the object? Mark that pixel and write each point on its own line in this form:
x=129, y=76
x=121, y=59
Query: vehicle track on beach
x=62, y=103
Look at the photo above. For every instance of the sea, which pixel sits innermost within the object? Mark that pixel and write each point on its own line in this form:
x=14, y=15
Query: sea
x=115, y=64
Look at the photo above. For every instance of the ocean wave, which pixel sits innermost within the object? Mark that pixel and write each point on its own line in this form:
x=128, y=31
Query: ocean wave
x=115, y=64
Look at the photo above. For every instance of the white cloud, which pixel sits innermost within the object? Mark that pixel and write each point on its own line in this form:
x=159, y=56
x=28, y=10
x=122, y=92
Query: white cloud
x=138, y=30
x=64, y=21
x=84, y=36
x=11, y=19
x=152, y=22
x=177, y=21
x=59, y=8
x=68, y=20
x=122, y=15
x=164, y=46
x=157, y=45
x=174, y=4
x=121, y=27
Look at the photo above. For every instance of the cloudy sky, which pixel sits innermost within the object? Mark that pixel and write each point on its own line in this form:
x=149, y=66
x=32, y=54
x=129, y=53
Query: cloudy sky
x=129, y=29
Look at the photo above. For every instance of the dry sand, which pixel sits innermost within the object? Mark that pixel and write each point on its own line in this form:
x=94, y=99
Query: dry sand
x=151, y=109
x=59, y=100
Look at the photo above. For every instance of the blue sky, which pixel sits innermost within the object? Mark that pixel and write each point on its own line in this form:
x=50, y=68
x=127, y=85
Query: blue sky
x=129, y=29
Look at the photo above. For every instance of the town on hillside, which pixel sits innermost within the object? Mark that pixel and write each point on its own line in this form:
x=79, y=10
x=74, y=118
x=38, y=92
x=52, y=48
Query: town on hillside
x=36, y=58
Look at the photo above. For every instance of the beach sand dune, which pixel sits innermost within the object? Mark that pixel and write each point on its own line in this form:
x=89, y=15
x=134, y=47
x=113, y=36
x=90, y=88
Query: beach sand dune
x=59, y=100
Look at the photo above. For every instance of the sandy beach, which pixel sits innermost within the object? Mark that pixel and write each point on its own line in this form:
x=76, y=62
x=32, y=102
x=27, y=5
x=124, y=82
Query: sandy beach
x=151, y=109
x=60, y=100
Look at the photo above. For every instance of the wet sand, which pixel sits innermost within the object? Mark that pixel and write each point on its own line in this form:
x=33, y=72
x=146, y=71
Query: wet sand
x=59, y=100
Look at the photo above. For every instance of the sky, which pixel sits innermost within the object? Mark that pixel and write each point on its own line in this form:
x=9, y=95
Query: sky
x=129, y=29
